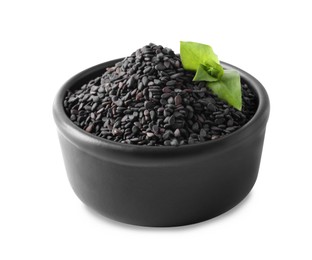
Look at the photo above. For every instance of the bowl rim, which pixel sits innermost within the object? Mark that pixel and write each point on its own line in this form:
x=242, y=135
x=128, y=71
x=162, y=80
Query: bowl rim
x=95, y=144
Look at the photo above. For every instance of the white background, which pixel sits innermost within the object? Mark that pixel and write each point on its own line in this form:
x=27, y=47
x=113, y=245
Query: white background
x=43, y=43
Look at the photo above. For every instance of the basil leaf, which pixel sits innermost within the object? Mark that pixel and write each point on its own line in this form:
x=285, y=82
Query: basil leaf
x=201, y=58
x=202, y=74
x=228, y=88
x=193, y=54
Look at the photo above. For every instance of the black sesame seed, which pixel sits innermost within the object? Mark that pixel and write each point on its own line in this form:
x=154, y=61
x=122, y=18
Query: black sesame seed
x=171, y=120
x=148, y=104
x=149, y=99
x=160, y=66
x=135, y=129
x=174, y=142
x=177, y=133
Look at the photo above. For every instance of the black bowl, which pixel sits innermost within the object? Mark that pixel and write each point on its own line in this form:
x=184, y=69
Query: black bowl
x=161, y=186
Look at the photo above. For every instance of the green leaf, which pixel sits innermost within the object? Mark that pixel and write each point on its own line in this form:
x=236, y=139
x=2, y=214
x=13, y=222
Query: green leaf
x=193, y=54
x=228, y=88
x=201, y=58
x=202, y=74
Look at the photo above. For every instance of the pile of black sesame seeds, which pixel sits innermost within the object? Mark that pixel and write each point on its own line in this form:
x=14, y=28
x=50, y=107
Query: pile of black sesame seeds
x=149, y=99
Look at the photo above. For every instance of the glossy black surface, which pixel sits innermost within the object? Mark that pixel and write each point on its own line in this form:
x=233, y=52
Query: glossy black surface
x=161, y=186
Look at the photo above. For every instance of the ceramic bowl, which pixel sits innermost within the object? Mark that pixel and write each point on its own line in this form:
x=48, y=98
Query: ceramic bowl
x=161, y=186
